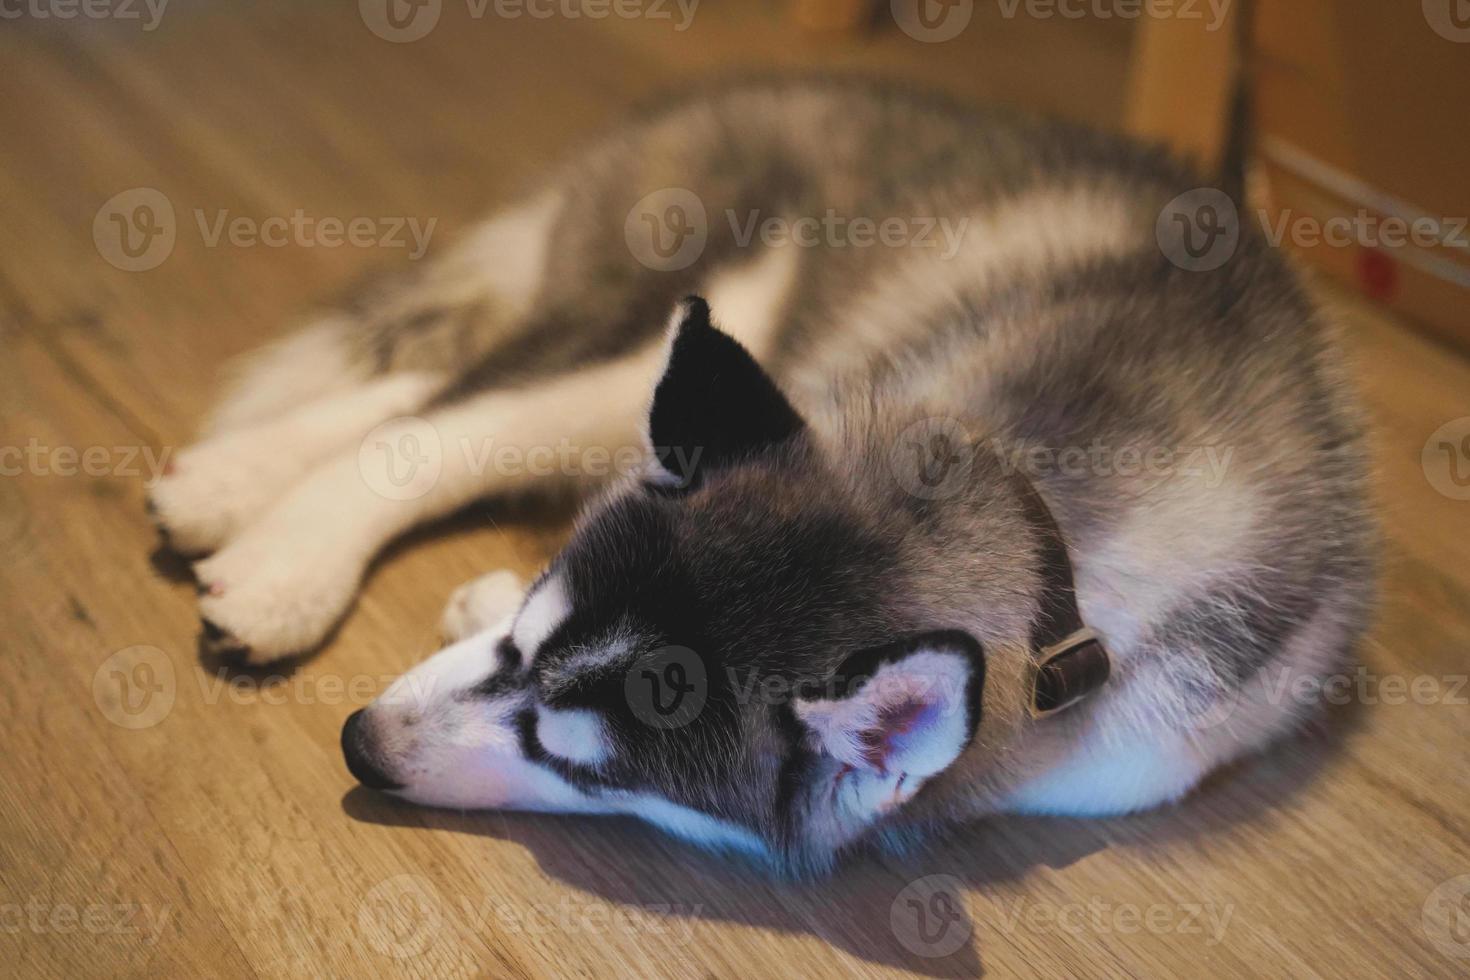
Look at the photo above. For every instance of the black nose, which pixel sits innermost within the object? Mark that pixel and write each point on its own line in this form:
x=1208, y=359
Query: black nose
x=361, y=754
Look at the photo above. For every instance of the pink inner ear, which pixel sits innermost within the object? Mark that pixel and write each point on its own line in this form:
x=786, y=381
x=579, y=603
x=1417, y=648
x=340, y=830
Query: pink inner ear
x=894, y=721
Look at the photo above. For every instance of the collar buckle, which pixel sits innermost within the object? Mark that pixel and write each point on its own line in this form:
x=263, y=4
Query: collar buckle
x=1067, y=672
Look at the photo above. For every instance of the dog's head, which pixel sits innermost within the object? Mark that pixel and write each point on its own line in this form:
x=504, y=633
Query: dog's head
x=727, y=647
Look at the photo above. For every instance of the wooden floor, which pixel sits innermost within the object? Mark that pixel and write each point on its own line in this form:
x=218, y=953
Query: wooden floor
x=158, y=818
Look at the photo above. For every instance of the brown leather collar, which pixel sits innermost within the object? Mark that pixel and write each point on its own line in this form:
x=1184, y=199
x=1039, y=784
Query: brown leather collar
x=1071, y=660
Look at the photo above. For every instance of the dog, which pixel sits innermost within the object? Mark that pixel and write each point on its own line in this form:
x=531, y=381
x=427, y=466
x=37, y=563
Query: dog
x=1028, y=517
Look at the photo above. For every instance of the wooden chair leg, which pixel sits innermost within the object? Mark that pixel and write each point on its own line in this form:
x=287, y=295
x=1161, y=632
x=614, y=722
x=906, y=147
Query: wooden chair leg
x=1182, y=84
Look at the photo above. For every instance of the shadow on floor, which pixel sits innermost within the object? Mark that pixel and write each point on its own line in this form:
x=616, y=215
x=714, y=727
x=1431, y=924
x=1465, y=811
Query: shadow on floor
x=868, y=907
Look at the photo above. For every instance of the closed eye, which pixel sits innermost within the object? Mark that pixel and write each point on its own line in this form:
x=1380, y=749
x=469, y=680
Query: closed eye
x=586, y=777
x=578, y=735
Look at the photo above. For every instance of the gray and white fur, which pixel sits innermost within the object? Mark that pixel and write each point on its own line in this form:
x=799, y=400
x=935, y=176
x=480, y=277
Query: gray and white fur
x=1192, y=433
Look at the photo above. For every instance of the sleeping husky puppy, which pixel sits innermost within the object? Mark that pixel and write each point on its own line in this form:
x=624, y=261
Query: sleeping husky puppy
x=1025, y=519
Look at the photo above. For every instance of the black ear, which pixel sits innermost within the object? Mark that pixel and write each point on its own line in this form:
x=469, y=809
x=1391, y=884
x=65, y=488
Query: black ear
x=714, y=405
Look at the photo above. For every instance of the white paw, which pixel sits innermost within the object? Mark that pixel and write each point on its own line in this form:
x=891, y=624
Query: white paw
x=216, y=488
x=481, y=603
x=273, y=593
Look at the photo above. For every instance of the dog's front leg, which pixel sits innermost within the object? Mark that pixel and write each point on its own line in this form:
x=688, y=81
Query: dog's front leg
x=280, y=586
